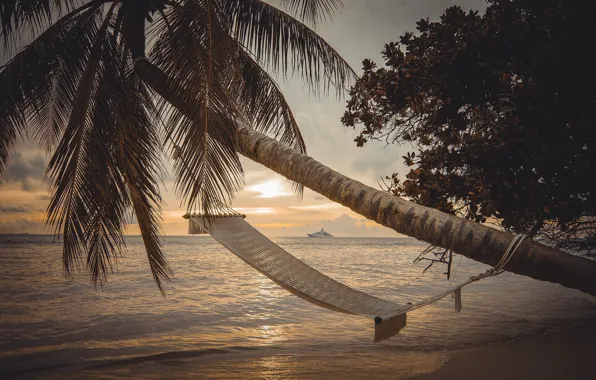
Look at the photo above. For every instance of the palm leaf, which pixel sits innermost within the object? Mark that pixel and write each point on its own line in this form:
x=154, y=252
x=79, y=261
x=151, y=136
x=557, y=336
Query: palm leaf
x=74, y=170
x=111, y=166
x=241, y=83
x=140, y=162
x=265, y=108
x=21, y=18
x=101, y=187
x=312, y=11
x=263, y=103
x=286, y=45
x=39, y=83
x=74, y=90
x=203, y=126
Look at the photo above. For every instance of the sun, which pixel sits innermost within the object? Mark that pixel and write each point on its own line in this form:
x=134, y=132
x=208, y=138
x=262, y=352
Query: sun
x=269, y=189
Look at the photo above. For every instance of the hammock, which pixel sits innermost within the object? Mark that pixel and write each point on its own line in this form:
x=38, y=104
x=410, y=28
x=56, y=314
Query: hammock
x=298, y=278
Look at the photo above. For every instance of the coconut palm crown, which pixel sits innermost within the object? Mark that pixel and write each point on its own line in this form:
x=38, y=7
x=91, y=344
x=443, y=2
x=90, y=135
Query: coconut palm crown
x=112, y=87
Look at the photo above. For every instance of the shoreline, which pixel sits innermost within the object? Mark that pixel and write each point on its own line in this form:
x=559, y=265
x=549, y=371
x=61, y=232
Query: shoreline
x=560, y=355
x=569, y=353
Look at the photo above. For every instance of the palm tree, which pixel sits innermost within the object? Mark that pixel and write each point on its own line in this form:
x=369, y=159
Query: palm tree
x=111, y=86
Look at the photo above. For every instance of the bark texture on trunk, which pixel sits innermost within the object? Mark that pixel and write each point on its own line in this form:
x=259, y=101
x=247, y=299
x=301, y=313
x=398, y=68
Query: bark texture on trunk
x=473, y=240
x=470, y=239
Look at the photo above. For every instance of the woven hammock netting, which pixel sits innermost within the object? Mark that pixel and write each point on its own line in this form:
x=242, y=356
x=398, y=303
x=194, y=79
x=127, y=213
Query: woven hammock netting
x=300, y=279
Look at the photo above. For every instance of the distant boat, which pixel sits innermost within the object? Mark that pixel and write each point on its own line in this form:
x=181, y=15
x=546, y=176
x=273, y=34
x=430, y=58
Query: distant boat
x=321, y=233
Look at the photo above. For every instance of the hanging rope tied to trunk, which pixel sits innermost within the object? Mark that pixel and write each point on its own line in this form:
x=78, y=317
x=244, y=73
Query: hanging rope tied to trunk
x=456, y=290
x=298, y=278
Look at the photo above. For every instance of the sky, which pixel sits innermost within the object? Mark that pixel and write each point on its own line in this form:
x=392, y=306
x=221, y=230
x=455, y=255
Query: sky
x=359, y=31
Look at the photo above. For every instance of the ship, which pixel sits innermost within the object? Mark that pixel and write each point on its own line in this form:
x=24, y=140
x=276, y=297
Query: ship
x=321, y=233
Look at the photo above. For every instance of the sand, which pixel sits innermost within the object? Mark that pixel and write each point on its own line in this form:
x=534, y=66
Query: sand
x=566, y=356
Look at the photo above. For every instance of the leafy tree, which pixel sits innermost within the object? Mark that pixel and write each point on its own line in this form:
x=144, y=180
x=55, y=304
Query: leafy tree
x=500, y=108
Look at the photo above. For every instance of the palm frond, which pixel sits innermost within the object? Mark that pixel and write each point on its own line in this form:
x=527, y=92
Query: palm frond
x=107, y=164
x=73, y=89
x=312, y=11
x=265, y=108
x=241, y=84
x=38, y=84
x=203, y=122
x=263, y=103
x=75, y=170
x=50, y=108
x=102, y=188
x=21, y=18
x=286, y=45
x=140, y=162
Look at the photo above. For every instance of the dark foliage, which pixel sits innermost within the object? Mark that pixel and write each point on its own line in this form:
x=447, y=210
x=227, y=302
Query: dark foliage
x=76, y=82
x=500, y=107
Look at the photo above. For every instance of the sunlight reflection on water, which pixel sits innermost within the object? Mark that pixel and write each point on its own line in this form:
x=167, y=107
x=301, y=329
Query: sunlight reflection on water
x=223, y=319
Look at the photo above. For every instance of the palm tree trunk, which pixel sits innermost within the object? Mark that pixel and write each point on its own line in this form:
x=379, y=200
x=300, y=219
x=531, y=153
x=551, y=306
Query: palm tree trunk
x=475, y=241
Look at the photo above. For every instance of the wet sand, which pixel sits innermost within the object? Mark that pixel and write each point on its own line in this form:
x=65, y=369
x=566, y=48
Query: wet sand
x=566, y=356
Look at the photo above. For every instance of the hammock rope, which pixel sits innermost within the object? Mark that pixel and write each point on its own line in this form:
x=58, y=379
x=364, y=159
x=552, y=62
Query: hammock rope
x=298, y=278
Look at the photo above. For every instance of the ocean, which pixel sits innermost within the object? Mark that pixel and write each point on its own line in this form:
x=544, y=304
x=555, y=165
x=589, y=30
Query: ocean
x=221, y=319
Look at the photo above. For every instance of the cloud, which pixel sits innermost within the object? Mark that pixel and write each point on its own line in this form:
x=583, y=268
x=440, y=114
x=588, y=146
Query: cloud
x=378, y=163
x=28, y=170
x=269, y=189
x=255, y=210
x=28, y=186
x=344, y=225
x=11, y=209
x=326, y=206
x=23, y=167
x=23, y=225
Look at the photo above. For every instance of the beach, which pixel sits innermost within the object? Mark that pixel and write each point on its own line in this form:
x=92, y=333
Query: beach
x=223, y=320
x=563, y=355
x=568, y=355
x=433, y=220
